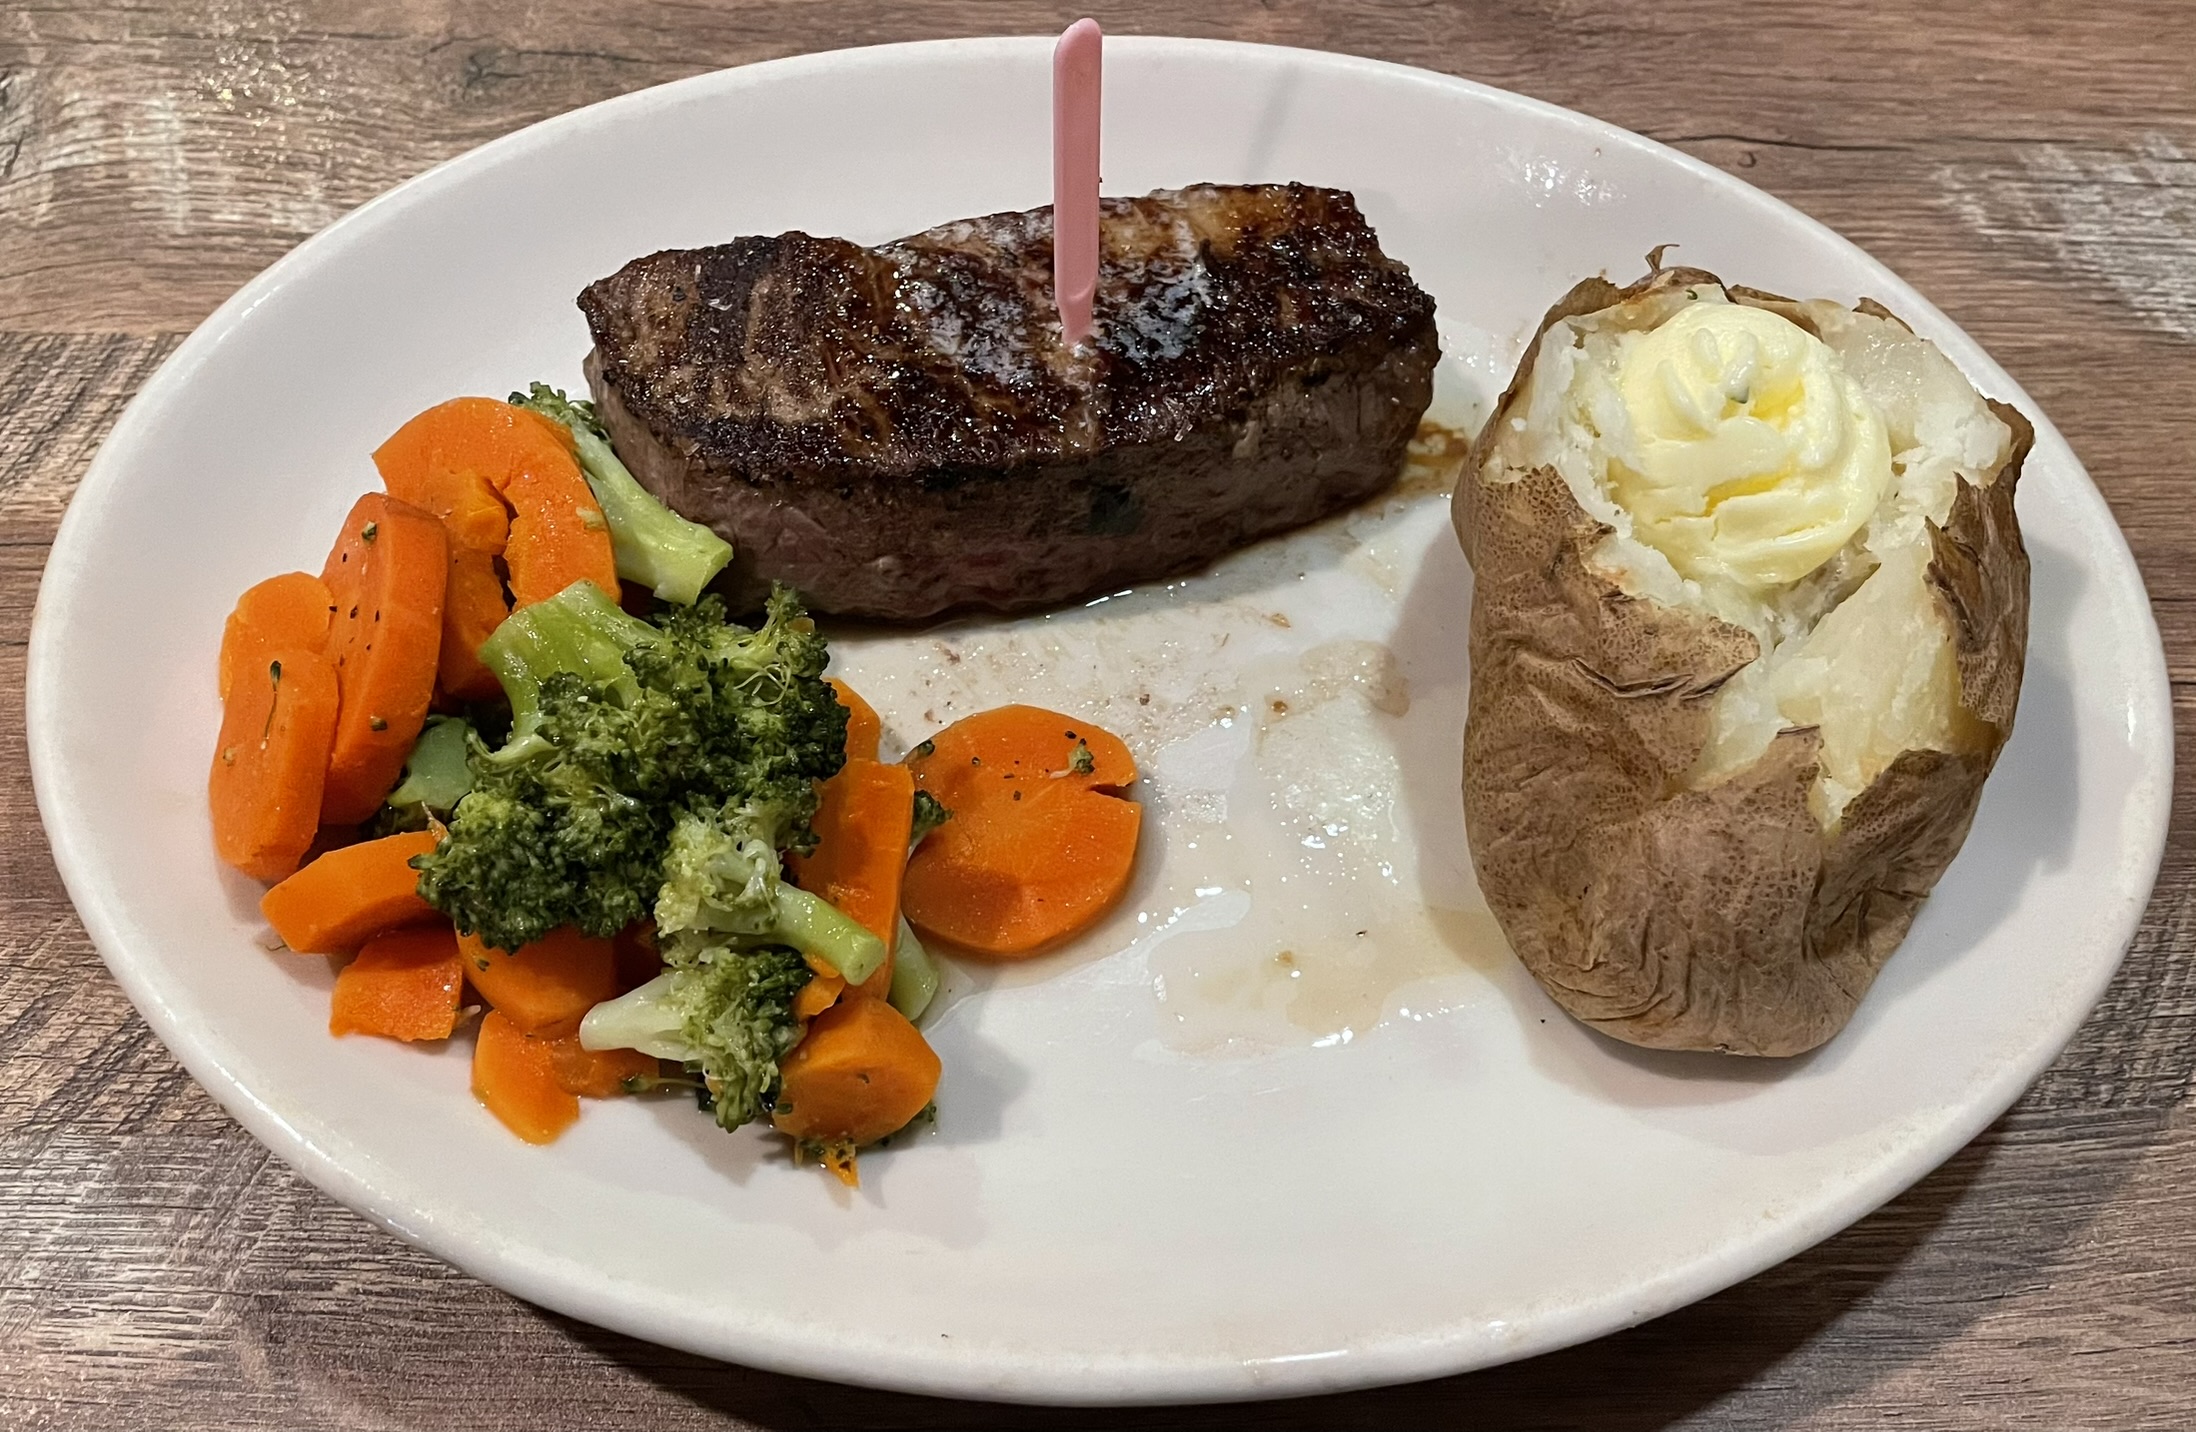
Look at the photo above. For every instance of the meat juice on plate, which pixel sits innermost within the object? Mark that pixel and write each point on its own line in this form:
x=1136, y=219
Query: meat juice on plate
x=1296, y=711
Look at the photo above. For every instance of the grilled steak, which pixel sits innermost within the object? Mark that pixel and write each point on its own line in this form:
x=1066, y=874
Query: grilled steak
x=897, y=431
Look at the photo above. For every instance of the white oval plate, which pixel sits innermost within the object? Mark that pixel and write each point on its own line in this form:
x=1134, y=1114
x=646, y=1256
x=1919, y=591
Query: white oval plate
x=1229, y=1146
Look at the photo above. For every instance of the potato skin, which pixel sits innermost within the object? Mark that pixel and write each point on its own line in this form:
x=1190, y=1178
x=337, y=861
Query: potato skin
x=1721, y=919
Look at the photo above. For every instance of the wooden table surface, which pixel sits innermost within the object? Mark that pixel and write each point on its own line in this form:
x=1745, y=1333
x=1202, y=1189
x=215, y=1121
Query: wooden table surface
x=2032, y=168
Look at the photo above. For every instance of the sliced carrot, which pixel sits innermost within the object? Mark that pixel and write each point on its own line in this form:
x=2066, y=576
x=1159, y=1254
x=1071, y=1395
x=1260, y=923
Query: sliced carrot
x=863, y=730
x=271, y=759
x=387, y=573
x=473, y=608
x=859, y=1073
x=596, y=1073
x=543, y=988
x=451, y=461
x=1039, y=844
x=820, y=993
x=557, y=532
x=864, y=815
x=515, y=1077
x=403, y=985
x=558, y=535
x=289, y=610
x=351, y=894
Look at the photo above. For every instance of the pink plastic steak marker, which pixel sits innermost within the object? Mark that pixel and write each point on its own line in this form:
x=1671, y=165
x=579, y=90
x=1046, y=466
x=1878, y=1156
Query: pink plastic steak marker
x=1075, y=94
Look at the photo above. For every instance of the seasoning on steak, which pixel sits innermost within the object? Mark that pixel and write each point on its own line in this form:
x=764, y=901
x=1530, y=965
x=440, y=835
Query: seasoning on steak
x=897, y=431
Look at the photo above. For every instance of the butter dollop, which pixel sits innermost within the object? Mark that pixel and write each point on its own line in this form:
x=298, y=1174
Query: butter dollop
x=1755, y=457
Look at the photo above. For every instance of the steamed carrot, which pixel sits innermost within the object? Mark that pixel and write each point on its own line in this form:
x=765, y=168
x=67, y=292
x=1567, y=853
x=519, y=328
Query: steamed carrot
x=403, y=985
x=863, y=730
x=543, y=988
x=557, y=534
x=596, y=1073
x=289, y=610
x=1040, y=843
x=515, y=1077
x=450, y=460
x=473, y=608
x=820, y=993
x=278, y=722
x=859, y=1073
x=387, y=573
x=863, y=818
x=351, y=894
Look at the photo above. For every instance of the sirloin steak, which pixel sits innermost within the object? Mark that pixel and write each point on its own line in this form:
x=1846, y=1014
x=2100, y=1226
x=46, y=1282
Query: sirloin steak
x=897, y=431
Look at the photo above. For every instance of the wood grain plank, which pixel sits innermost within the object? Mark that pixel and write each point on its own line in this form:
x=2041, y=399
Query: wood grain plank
x=2031, y=168
x=216, y=135
x=1985, y=1278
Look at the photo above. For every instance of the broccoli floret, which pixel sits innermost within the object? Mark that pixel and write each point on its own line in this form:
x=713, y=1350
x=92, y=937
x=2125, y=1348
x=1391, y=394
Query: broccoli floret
x=620, y=727
x=653, y=545
x=578, y=633
x=728, y=1017
x=930, y=813
x=721, y=884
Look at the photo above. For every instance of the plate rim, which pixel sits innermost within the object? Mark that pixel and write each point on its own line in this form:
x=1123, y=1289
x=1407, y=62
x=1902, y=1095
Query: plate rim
x=1062, y=1378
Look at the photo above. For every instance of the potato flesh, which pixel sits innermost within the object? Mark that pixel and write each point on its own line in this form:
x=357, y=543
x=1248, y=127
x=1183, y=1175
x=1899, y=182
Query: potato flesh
x=1858, y=648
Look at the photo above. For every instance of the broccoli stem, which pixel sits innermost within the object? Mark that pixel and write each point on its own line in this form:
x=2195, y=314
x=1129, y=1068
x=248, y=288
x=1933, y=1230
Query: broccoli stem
x=914, y=975
x=580, y=631
x=651, y=1018
x=817, y=928
x=435, y=774
x=653, y=545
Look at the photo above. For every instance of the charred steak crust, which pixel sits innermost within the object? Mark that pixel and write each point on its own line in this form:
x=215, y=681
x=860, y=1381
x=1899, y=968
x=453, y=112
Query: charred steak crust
x=897, y=432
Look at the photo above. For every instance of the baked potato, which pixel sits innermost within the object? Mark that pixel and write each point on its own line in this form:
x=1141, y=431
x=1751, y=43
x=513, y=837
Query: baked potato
x=1749, y=613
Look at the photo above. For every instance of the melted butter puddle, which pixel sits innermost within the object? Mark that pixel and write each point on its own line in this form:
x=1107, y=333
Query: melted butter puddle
x=1309, y=923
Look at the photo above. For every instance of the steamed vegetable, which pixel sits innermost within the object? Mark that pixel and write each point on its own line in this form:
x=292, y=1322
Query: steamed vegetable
x=349, y=895
x=632, y=739
x=403, y=985
x=454, y=457
x=472, y=608
x=440, y=462
x=1040, y=842
x=271, y=760
x=436, y=777
x=630, y=829
x=740, y=943
x=864, y=731
x=930, y=813
x=515, y=1076
x=600, y=1073
x=291, y=610
x=914, y=976
x=546, y=986
x=654, y=546
x=721, y=889
x=454, y=460
x=386, y=574
x=861, y=1073
x=862, y=821
x=728, y=1017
